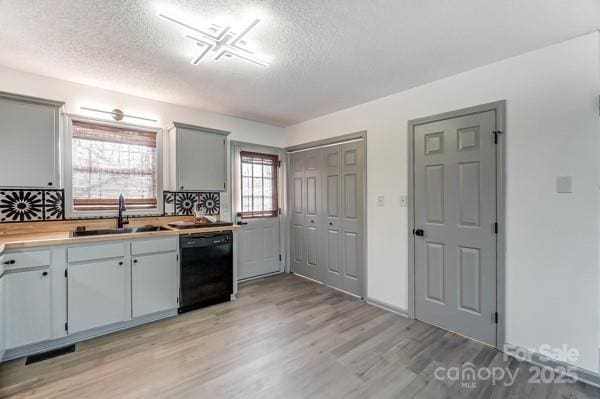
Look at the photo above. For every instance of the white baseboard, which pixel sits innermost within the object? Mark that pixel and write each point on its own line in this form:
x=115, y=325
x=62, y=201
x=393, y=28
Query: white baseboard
x=387, y=306
x=327, y=285
x=245, y=280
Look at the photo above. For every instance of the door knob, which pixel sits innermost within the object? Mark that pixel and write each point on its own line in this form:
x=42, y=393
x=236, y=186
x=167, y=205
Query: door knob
x=419, y=232
x=241, y=223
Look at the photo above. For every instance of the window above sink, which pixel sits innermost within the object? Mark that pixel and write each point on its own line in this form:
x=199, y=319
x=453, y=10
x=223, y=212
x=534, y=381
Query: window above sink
x=105, y=159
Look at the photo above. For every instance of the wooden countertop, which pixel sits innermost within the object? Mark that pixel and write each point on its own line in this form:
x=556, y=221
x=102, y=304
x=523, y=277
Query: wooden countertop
x=62, y=238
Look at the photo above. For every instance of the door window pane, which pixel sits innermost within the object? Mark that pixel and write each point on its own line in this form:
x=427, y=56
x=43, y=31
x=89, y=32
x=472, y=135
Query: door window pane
x=259, y=185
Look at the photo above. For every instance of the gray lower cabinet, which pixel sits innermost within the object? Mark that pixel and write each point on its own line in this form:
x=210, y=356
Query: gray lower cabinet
x=28, y=309
x=2, y=311
x=97, y=294
x=58, y=293
x=118, y=281
x=29, y=133
x=154, y=286
x=198, y=158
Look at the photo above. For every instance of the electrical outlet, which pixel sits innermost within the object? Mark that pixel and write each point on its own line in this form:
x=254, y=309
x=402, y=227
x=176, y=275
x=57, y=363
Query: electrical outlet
x=380, y=200
x=564, y=184
x=404, y=201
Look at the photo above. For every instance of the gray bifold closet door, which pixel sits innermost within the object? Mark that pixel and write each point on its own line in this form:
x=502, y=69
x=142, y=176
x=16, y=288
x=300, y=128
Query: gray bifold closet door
x=327, y=191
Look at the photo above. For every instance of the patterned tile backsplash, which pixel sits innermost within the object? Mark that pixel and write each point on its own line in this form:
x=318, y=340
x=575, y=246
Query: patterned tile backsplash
x=25, y=205
x=185, y=202
x=18, y=205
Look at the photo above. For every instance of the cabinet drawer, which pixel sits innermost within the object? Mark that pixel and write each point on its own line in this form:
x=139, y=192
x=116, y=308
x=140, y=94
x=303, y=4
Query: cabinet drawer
x=96, y=252
x=141, y=247
x=23, y=260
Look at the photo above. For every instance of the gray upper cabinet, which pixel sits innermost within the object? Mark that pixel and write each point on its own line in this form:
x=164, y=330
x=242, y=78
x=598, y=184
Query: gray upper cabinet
x=198, y=158
x=29, y=133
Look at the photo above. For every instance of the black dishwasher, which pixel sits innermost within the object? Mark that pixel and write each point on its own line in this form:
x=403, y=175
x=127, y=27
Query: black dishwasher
x=206, y=270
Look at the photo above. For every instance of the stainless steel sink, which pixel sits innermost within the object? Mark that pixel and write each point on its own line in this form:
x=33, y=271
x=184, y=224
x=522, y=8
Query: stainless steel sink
x=125, y=230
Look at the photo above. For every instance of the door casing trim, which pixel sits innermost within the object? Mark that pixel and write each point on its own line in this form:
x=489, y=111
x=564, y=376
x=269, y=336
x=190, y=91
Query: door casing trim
x=499, y=107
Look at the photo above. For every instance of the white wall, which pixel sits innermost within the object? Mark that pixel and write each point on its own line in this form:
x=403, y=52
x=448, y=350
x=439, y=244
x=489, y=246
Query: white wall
x=552, y=251
x=77, y=95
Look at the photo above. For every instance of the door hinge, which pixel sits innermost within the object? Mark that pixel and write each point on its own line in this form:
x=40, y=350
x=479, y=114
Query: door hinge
x=280, y=257
x=496, y=133
x=279, y=211
x=496, y=228
x=279, y=164
x=66, y=326
x=66, y=273
x=495, y=317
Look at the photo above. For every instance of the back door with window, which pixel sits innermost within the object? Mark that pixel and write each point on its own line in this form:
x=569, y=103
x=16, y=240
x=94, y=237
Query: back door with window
x=256, y=206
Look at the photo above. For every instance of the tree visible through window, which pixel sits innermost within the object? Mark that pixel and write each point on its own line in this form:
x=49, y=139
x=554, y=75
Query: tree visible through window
x=259, y=185
x=108, y=161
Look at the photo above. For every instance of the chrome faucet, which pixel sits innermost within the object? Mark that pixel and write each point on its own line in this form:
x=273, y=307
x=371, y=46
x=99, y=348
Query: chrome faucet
x=121, y=221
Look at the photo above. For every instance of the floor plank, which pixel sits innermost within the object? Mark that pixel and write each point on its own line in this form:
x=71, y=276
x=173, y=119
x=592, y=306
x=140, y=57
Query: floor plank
x=285, y=337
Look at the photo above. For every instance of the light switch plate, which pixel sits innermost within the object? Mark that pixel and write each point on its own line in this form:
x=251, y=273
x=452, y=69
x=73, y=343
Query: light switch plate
x=564, y=184
x=404, y=201
x=380, y=200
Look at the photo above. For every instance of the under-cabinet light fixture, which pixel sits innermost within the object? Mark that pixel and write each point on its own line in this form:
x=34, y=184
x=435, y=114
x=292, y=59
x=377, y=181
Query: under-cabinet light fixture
x=222, y=40
x=117, y=114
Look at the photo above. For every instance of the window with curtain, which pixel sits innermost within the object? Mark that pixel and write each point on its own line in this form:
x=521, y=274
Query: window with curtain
x=108, y=161
x=259, y=185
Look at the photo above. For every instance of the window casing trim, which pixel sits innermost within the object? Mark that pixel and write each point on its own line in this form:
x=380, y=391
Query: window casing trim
x=67, y=167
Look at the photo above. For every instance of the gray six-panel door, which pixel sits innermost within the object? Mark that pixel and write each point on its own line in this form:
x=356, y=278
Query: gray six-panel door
x=455, y=212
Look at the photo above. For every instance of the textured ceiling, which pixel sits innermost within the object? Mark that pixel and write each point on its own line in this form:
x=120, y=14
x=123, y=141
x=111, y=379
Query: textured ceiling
x=325, y=55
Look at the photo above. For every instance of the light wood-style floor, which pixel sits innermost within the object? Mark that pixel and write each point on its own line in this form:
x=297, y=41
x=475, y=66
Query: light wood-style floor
x=285, y=337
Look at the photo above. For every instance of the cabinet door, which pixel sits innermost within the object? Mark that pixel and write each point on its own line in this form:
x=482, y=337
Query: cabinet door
x=29, y=137
x=97, y=294
x=154, y=283
x=28, y=307
x=201, y=160
x=2, y=314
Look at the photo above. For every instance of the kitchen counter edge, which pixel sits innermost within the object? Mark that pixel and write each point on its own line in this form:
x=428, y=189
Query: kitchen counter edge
x=64, y=238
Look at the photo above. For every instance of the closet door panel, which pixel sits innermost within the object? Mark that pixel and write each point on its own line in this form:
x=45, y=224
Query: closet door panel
x=297, y=237
x=331, y=210
x=313, y=216
x=353, y=217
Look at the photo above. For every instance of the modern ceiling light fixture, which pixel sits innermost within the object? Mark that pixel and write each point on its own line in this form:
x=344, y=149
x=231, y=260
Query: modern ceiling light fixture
x=221, y=40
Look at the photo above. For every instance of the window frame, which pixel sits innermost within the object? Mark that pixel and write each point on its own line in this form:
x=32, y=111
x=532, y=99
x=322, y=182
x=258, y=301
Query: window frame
x=275, y=187
x=67, y=144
